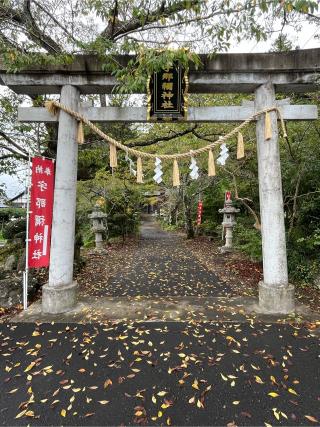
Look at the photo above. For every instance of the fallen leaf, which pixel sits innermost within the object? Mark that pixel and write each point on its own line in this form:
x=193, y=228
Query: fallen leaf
x=107, y=383
x=311, y=418
x=195, y=384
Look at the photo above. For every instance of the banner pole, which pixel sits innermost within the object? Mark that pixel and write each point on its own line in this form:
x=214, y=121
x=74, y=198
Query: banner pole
x=26, y=272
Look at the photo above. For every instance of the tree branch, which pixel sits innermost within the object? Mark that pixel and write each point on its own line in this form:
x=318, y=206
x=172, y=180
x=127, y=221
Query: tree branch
x=25, y=18
x=56, y=21
x=14, y=154
x=244, y=201
x=10, y=141
x=115, y=29
x=161, y=138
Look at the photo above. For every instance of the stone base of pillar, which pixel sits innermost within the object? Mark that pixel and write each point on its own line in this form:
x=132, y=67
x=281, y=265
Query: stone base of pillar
x=59, y=299
x=276, y=299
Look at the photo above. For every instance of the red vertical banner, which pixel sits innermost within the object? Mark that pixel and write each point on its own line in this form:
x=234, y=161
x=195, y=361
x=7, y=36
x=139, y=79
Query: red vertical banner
x=41, y=206
x=199, y=212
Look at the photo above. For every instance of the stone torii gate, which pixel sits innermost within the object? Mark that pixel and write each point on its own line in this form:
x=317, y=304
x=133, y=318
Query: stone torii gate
x=261, y=74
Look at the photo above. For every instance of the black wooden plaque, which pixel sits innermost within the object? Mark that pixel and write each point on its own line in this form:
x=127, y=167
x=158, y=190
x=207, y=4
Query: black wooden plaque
x=167, y=95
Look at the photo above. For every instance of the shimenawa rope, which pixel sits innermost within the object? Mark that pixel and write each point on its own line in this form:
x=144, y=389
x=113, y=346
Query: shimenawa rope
x=53, y=107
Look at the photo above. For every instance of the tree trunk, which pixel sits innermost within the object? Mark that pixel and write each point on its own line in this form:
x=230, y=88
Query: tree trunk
x=188, y=217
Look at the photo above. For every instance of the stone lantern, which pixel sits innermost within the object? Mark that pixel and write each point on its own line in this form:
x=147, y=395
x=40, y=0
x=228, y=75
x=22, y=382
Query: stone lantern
x=229, y=221
x=98, y=227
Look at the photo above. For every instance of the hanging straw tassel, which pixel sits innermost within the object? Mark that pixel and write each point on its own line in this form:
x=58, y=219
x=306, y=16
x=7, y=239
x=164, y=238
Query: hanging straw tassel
x=113, y=156
x=267, y=127
x=240, y=146
x=139, y=171
x=80, y=133
x=51, y=107
x=211, y=165
x=175, y=174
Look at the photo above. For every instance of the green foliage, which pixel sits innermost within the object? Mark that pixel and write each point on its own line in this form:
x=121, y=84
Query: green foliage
x=7, y=213
x=15, y=229
x=248, y=240
x=142, y=28
x=148, y=61
x=119, y=198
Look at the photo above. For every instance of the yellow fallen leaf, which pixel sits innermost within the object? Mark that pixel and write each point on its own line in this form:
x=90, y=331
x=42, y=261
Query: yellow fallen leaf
x=13, y=391
x=199, y=404
x=258, y=379
x=29, y=414
x=195, y=384
x=103, y=402
x=168, y=421
x=162, y=393
x=236, y=402
x=276, y=413
x=63, y=412
x=290, y=390
x=223, y=377
x=123, y=337
x=35, y=333
x=181, y=355
x=29, y=367
x=165, y=405
x=273, y=394
x=192, y=399
x=138, y=413
x=154, y=400
x=21, y=414
x=160, y=414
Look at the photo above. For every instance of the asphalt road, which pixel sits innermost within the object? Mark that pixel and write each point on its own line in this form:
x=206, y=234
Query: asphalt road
x=159, y=374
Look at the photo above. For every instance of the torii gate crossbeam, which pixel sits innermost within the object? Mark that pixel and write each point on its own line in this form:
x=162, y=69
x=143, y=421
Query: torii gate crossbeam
x=263, y=74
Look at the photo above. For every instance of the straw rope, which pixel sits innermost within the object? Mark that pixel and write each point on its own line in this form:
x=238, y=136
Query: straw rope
x=53, y=107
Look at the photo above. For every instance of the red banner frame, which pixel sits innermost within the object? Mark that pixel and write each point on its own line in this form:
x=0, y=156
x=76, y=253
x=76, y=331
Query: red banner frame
x=41, y=207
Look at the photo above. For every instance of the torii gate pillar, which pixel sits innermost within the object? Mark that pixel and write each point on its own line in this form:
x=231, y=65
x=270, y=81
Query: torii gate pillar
x=275, y=294
x=59, y=295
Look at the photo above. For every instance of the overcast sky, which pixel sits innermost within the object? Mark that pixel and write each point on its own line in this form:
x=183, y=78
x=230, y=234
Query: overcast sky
x=304, y=40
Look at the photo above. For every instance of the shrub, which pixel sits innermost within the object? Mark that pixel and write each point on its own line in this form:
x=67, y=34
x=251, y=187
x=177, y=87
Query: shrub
x=248, y=240
x=15, y=228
